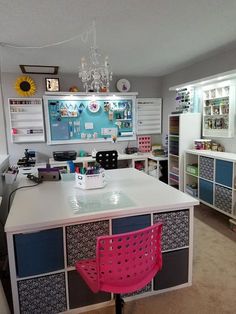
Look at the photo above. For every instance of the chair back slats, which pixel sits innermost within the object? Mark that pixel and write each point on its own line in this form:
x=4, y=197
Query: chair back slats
x=128, y=261
x=107, y=159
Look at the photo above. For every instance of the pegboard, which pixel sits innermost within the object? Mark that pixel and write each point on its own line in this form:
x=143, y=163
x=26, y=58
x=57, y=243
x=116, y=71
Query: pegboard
x=89, y=119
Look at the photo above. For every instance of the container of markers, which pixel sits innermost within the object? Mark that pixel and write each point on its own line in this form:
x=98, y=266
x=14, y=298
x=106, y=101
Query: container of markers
x=90, y=180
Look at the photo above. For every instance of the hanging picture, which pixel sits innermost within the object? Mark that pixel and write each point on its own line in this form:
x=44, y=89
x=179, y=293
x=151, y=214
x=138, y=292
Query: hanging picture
x=52, y=84
x=25, y=86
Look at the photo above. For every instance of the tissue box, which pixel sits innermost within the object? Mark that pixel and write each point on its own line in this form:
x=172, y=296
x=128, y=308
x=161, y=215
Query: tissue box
x=90, y=181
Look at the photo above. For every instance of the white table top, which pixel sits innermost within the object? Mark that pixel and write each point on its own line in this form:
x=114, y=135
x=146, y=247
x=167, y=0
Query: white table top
x=128, y=191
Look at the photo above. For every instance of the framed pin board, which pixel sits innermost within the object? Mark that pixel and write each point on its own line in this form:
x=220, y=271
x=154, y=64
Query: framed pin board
x=89, y=118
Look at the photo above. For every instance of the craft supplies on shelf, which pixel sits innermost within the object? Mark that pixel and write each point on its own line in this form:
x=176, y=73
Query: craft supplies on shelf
x=158, y=150
x=202, y=144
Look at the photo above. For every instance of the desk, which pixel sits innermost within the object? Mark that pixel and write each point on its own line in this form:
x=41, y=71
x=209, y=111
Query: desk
x=54, y=224
x=131, y=159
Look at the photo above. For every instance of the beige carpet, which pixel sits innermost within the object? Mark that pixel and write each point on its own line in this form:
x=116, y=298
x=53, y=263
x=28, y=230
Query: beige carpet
x=214, y=274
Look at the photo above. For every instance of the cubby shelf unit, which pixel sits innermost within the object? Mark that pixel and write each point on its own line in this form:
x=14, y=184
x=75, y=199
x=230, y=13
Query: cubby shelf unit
x=214, y=179
x=26, y=120
x=218, y=109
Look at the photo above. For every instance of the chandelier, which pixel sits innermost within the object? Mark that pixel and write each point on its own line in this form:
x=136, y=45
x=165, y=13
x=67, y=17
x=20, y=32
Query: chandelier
x=95, y=74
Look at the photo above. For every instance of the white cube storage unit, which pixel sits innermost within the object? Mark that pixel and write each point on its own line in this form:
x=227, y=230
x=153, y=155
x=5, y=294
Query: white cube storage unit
x=214, y=179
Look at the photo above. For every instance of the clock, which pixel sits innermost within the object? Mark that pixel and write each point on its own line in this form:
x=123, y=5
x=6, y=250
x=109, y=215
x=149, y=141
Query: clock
x=123, y=85
x=93, y=106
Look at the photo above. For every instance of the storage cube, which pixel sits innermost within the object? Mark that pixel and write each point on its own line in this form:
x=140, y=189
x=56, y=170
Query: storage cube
x=174, y=270
x=127, y=224
x=175, y=233
x=206, y=191
x=223, y=198
x=224, y=172
x=81, y=240
x=79, y=293
x=206, y=168
x=39, y=252
x=46, y=294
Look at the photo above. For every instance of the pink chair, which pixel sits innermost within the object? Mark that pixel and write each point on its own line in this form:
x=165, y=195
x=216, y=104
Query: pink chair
x=124, y=262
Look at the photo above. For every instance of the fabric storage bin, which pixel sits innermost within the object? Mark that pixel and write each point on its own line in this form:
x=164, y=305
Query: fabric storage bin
x=127, y=224
x=223, y=198
x=175, y=232
x=81, y=240
x=44, y=294
x=174, y=270
x=206, y=191
x=206, y=168
x=79, y=293
x=224, y=172
x=39, y=252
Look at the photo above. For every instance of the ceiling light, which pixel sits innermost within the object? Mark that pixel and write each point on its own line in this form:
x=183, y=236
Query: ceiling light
x=95, y=74
x=39, y=69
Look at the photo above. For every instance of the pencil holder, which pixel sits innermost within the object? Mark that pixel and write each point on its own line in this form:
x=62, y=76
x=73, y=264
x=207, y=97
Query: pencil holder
x=90, y=181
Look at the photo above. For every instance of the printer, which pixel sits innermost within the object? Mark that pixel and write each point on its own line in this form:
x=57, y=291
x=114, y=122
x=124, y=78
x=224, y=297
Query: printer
x=64, y=155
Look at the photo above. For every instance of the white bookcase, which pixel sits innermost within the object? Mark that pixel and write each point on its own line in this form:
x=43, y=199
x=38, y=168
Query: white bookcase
x=26, y=120
x=218, y=110
x=149, y=116
x=183, y=129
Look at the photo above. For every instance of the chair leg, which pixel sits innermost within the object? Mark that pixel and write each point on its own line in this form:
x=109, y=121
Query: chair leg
x=119, y=304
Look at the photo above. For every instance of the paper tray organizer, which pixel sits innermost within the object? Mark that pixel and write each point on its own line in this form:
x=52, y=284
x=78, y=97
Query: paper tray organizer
x=90, y=181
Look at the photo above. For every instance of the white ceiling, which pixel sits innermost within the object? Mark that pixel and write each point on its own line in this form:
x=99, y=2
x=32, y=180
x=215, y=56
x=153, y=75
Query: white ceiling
x=141, y=37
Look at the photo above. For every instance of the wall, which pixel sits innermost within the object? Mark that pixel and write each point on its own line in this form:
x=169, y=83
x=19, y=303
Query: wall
x=4, y=192
x=145, y=86
x=217, y=64
x=3, y=143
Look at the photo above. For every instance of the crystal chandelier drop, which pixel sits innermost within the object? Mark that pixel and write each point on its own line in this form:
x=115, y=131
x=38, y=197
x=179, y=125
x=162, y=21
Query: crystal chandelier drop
x=95, y=74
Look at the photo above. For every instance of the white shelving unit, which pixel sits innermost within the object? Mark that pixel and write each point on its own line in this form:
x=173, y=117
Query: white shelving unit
x=211, y=177
x=218, y=110
x=149, y=116
x=26, y=120
x=183, y=129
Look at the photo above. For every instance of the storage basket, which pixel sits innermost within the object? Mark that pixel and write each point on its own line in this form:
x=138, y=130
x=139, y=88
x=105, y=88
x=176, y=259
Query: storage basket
x=90, y=181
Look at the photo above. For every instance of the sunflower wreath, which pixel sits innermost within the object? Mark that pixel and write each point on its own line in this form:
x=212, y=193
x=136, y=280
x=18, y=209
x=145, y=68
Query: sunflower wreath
x=25, y=86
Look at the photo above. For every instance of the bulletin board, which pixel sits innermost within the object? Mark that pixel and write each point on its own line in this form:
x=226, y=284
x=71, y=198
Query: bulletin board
x=77, y=119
